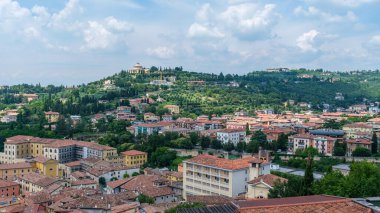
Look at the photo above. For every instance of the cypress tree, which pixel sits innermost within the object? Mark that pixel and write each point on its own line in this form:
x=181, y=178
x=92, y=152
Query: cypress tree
x=374, y=144
x=308, y=178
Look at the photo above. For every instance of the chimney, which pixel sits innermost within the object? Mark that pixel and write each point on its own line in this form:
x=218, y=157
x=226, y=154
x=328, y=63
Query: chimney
x=260, y=150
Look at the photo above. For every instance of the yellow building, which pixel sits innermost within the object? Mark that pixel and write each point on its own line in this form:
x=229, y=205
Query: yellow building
x=20, y=147
x=116, y=159
x=134, y=158
x=259, y=187
x=52, y=117
x=173, y=109
x=174, y=176
x=47, y=167
x=358, y=130
x=10, y=171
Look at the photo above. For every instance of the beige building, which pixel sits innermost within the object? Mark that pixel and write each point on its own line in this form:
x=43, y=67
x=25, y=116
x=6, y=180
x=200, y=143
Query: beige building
x=358, y=130
x=35, y=182
x=353, y=144
x=19, y=147
x=260, y=186
x=52, y=117
x=11, y=171
x=210, y=175
x=173, y=109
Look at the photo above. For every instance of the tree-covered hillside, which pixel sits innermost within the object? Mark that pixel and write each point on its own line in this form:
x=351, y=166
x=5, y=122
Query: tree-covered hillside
x=220, y=93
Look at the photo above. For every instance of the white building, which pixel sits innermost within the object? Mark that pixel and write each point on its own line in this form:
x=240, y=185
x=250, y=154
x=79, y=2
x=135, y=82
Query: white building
x=231, y=135
x=210, y=175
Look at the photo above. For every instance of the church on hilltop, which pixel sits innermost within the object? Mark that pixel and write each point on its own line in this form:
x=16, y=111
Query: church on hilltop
x=138, y=69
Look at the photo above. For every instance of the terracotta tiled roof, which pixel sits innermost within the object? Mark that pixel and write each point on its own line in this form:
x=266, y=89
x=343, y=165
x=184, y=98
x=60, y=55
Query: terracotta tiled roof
x=51, y=113
x=358, y=125
x=268, y=179
x=41, y=159
x=222, y=163
x=73, y=163
x=231, y=130
x=152, y=125
x=145, y=185
x=117, y=183
x=83, y=182
x=133, y=152
x=314, y=203
x=39, y=180
x=359, y=141
x=5, y=183
x=21, y=165
x=208, y=199
x=124, y=207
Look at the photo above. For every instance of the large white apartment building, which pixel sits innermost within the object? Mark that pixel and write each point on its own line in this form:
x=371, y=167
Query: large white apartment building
x=231, y=135
x=210, y=175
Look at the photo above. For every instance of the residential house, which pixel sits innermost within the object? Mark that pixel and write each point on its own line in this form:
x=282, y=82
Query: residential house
x=9, y=189
x=231, y=135
x=324, y=144
x=358, y=130
x=13, y=170
x=52, y=117
x=151, y=128
x=260, y=186
x=34, y=182
x=353, y=144
x=153, y=186
x=173, y=109
x=134, y=158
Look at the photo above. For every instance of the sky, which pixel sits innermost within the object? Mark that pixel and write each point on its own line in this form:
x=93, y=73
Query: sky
x=69, y=42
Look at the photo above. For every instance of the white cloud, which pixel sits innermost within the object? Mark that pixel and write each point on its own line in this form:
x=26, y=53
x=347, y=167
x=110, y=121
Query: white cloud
x=117, y=25
x=353, y=3
x=375, y=40
x=204, y=13
x=162, y=52
x=198, y=30
x=104, y=34
x=306, y=41
x=96, y=36
x=250, y=19
x=66, y=19
x=315, y=12
x=246, y=21
x=11, y=9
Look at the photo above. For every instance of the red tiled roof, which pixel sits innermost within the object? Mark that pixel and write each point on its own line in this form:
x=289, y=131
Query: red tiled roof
x=72, y=164
x=22, y=165
x=83, y=182
x=210, y=160
x=51, y=113
x=133, y=152
x=124, y=208
x=314, y=203
x=269, y=179
x=117, y=183
x=209, y=199
x=359, y=141
x=231, y=130
x=145, y=185
x=6, y=183
x=41, y=159
x=358, y=125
